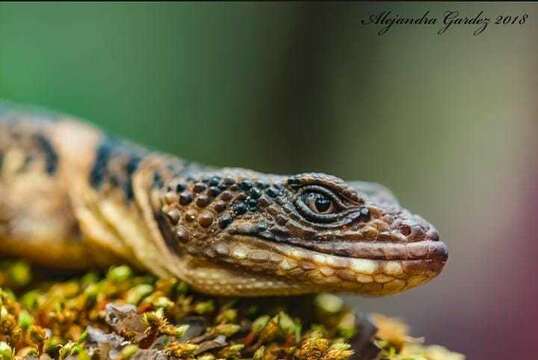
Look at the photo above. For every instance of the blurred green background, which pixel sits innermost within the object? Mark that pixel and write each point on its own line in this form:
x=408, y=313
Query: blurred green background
x=448, y=122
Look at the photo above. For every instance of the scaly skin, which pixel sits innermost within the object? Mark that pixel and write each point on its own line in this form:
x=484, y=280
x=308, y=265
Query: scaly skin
x=71, y=197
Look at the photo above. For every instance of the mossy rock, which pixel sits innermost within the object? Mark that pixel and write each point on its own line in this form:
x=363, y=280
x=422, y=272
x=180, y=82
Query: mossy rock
x=127, y=315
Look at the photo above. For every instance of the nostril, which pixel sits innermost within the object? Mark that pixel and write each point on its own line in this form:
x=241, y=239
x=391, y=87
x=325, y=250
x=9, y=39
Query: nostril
x=405, y=229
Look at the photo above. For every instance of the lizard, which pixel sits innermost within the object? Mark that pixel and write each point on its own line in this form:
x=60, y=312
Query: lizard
x=72, y=197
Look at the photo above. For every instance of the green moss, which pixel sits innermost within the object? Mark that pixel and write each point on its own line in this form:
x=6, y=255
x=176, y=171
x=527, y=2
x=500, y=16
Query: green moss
x=132, y=315
x=6, y=352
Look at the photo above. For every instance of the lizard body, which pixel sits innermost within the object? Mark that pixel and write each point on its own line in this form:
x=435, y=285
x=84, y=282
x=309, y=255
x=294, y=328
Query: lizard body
x=72, y=197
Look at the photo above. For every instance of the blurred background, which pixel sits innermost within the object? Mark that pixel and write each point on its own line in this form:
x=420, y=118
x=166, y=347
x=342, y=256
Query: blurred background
x=448, y=122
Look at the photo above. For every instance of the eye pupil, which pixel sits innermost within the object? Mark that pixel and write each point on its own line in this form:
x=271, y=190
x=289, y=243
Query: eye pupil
x=322, y=203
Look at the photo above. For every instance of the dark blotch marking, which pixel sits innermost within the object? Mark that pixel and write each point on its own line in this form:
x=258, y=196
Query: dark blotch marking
x=132, y=164
x=239, y=208
x=272, y=192
x=252, y=204
x=130, y=168
x=225, y=220
x=245, y=185
x=157, y=180
x=51, y=156
x=185, y=198
x=255, y=193
x=128, y=190
x=99, y=170
x=213, y=191
x=214, y=181
x=294, y=181
x=112, y=153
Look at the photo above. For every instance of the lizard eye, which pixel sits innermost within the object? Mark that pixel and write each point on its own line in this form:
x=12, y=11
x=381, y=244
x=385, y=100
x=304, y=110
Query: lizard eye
x=318, y=202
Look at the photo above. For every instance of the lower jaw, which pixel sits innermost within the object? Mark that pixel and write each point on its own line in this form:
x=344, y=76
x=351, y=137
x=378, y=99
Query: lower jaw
x=389, y=277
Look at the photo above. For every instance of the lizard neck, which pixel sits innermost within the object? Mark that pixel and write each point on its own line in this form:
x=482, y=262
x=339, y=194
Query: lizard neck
x=115, y=192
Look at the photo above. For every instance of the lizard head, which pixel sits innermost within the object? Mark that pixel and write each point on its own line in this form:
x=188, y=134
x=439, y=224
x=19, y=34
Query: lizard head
x=248, y=233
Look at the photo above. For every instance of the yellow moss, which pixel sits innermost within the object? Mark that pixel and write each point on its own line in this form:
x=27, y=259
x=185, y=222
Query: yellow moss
x=391, y=330
x=127, y=312
x=432, y=352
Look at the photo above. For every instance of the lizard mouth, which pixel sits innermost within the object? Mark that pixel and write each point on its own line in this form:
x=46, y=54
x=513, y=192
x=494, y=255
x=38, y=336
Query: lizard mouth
x=391, y=245
x=427, y=249
x=400, y=267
